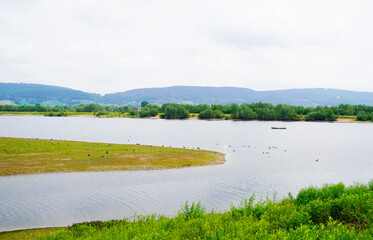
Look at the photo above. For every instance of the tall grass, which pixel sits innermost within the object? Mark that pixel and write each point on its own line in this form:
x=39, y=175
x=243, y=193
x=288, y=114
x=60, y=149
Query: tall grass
x=330, y=212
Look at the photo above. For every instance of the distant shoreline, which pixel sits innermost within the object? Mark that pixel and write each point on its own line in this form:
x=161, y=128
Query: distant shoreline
x=194, y=116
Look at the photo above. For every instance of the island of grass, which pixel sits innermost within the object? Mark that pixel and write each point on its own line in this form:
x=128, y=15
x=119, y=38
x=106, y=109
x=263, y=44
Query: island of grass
x=330, y=212
x=34, y=156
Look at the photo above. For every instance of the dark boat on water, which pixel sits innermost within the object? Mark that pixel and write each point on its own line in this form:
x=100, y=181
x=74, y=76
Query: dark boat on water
x=278, y=127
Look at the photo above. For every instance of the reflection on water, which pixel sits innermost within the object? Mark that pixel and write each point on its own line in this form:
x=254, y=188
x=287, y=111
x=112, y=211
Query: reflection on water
x=259, y=160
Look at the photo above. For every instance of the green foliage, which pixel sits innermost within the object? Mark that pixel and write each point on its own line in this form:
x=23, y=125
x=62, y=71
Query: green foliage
x=246, y=113
x=364, y=116
x=206, y=114
x=173, y=110
x=56, y=114
x=325, y=193
x=211, y=113
x=192, y=211
x=260, y=111
x=330, y=212
x=132, y=113
x=144, y=103
x=92, y=108
x=101, y=113
x=321, y=114
x=149, y=110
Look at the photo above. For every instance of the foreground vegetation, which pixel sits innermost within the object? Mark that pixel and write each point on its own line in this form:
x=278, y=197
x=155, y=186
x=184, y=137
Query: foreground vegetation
x=330, y=212
x=27, y=156
x=260, y=111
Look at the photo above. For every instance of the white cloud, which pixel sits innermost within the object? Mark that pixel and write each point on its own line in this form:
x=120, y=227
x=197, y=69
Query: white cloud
x=111, y=46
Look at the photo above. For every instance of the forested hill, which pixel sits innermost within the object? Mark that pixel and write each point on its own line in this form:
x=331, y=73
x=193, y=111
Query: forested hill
x=226, y=95
x=30, y=94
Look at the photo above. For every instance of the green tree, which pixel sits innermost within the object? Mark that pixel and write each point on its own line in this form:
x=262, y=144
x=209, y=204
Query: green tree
x=144, y=103
x=234, y=110
x=173, y=110
x=285, y=113
x=362, y=116
x=246, y=113
x=330, y=115
x=207, y=114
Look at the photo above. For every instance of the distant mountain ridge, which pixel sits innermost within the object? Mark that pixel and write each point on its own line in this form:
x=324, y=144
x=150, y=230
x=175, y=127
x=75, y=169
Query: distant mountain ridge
x=25, y=94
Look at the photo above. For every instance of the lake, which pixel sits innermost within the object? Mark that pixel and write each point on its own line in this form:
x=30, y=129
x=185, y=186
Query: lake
x=260, y=161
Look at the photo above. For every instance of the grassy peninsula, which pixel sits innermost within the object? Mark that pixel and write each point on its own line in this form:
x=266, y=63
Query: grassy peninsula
x=330, y=212
x=30, y=156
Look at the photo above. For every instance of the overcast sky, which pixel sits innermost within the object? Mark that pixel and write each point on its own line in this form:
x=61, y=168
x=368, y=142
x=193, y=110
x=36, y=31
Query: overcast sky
x=116, y=45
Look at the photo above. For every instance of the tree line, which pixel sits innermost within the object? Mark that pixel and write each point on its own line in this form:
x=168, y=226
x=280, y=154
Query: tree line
x=92, y=108
x=259, y=111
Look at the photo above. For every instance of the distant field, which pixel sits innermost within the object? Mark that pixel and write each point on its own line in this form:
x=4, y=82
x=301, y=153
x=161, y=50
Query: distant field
x=31, y=156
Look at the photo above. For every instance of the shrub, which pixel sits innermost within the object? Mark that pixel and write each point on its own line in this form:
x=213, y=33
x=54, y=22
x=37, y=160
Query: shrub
x=193, y=211
x=102, y=113
x=132, y=113
x=307, y=195
x=318, y=211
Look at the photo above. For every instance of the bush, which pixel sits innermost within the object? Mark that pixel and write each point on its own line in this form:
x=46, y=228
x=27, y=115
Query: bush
x=56, y=114
x=318, y=211
x=102, y=113
x=132, y=113
x=363, y=116
x=193, y=211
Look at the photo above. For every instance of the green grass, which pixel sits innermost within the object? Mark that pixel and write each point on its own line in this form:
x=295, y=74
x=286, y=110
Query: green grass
x=29, y=233
x=348, y=116
x=330, y=212
x=29, y=156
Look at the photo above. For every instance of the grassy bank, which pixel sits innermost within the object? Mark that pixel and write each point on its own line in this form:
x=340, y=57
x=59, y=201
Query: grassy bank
x=29, y=156
x=330, y=212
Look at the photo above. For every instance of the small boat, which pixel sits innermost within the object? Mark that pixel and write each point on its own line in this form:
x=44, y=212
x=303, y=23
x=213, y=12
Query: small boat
x=278, y=127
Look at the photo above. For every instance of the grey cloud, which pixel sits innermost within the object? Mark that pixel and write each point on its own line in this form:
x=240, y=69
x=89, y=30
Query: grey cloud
x=114, y=45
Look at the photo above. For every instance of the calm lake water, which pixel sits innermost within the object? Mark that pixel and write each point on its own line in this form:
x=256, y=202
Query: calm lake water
x=344, y=150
